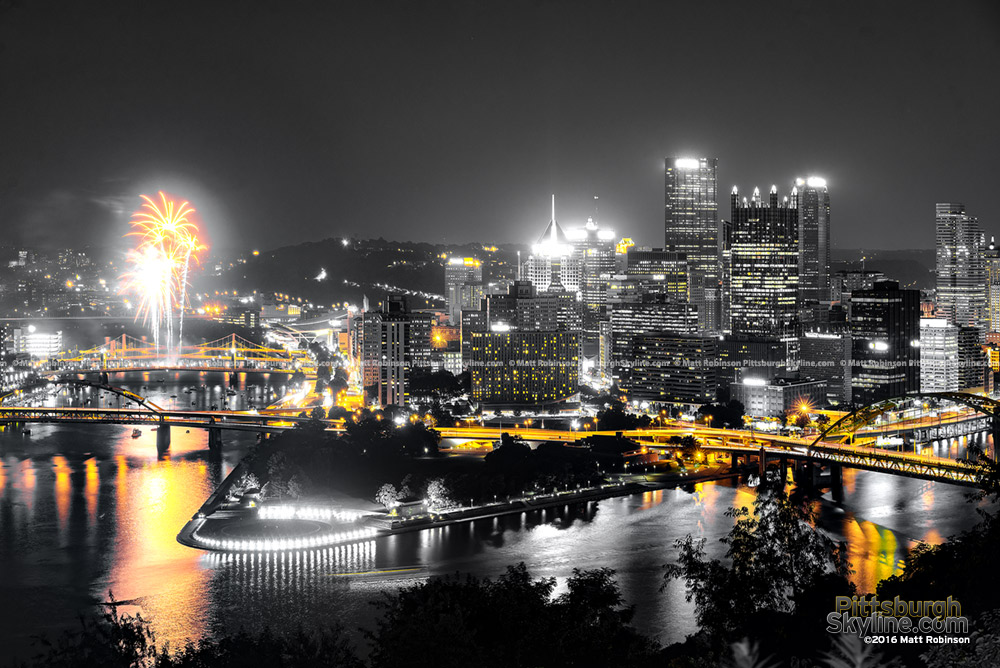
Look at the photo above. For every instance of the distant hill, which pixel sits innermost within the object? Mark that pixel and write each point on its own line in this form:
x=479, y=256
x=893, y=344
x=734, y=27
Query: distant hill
x=912, y=268
x=360, y=268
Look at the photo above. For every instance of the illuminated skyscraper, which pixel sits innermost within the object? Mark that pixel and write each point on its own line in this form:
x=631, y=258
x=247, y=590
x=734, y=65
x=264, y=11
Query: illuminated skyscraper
x=814, y=238
x=764, y=254
x=885, y=333
x=961, y=266
x=691, y=227
x=992, y=256
x=458, y=273
x=594, y=249
x=938, y=355
x=553, y=266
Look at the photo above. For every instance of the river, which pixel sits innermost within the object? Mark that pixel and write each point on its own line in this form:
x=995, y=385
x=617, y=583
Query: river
x=85, y=509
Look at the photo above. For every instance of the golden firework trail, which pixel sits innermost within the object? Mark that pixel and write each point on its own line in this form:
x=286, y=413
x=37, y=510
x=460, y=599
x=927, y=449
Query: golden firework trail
x=158, y=266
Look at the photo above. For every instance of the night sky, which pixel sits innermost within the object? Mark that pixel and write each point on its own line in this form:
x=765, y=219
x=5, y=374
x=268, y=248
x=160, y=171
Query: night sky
x=292, y=121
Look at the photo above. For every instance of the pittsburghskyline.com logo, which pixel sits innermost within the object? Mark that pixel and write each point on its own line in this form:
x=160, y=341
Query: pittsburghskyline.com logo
x=898, y=621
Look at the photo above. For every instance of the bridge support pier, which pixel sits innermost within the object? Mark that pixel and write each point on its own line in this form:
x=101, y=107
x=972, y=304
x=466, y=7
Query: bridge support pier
x=215, y=441
x=105, y=378
x=734, y=461
x=837, y=482
x=234, y=378
x=162, y=438
x=995, y=430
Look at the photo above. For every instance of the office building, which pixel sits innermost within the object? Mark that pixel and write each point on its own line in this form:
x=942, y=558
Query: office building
x=760, y=357
x=844, y=282
x=691, y=227
x=961, y=266
x=885, y=355
x=594, y=250
x=973, y=361
x=459, y=273
x=991, y=258
x=646, y=271
x=765, y=265
x=553, y=264
x=813, y=200
x=673, y=368
x=393, y=341
x=511, y=369
x=780, y=396
x=826, y=355
x=37, y=344
x=938, y=355
x=653, y=314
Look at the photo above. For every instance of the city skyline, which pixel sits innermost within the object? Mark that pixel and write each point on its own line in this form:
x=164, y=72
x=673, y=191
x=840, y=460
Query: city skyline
x=295, y=140
x=328, y=328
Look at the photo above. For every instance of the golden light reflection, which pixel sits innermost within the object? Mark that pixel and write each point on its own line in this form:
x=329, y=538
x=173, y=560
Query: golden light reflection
x=933, y=537
x=651, y=499
x=154, y=501
x=873, y=552
x=3, y=476
x=90, y=490
x=27, y=484
x=928, y=497
x=850, y=478
x=62, y=490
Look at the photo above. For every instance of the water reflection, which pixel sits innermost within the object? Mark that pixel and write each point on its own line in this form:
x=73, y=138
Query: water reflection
x=85, y=509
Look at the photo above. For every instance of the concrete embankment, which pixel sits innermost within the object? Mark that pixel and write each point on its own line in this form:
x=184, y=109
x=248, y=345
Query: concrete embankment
x=637, y=486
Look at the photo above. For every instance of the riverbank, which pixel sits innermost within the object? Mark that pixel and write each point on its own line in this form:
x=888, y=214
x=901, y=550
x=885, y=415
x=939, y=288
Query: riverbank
x=247, y=529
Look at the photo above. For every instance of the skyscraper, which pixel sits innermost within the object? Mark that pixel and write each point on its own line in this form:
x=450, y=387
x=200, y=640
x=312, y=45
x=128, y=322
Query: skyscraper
x=458, y=273
x=594, y=249
x=691, y=227
x=992, y=255
x=885, y=331
x=553, y=266
x=814, y=238
x=393, y=342
x=764, y=255
x=961, y=266
x=938, y=355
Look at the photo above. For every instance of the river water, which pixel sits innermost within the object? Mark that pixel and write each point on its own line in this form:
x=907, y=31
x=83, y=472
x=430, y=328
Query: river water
x=85, y=509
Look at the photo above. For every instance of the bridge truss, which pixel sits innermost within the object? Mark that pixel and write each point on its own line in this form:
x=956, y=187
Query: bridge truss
x=844, y=429
x=234, y=351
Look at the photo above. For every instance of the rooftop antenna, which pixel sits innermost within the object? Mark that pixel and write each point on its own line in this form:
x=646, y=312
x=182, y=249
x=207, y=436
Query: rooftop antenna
x=595, y=208
x=519, y=265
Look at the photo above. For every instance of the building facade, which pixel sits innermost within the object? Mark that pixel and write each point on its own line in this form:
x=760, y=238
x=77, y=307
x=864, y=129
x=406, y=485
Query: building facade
x=516, y=369
x=674, y=368
x=458, y=273
x=938, y=355
x=764, y=253
x=961, y=266
x=691, y=227
x=885, y=329
x=813, y=200
x=826, y=355
x=774, y=398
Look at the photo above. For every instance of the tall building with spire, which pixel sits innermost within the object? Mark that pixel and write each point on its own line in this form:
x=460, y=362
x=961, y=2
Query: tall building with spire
x=553, y=266
x=814, y=238
x=691, y=227
x=764, y=255
x=961, y=266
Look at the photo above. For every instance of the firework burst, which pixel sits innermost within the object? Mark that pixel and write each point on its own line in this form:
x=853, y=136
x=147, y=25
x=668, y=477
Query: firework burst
x=158, y=266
